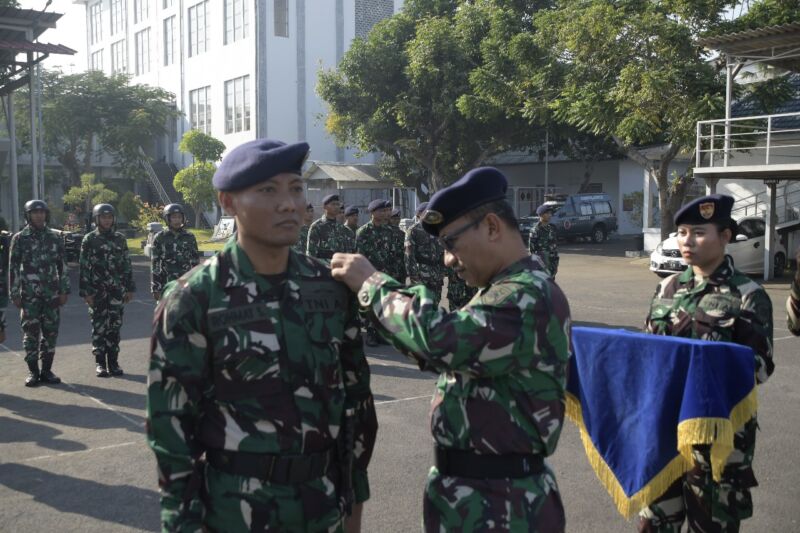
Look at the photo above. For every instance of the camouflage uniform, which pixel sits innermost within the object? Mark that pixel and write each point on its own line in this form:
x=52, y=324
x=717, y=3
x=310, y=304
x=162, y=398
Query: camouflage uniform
x=728, y=307
x=302, y=241
x=503, y=362
x=326, y=237
x=424, y=258
x=458, y=292
x=374, y=242
x=105, y=274
x=37, y=276
x=261, y=364
x=544, y=243
x=397, y=262
x=173, y=254
x=5, y=240
x=793, y=307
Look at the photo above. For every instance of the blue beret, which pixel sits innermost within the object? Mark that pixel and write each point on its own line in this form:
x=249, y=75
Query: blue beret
x=715, y=208
x=257, y=161
x=309, y=206
x=352, y=210
x=542, y=209
x=477, y=187
x=396, y=212
x=330, y=198
x=375, y=205
x=421, y=207
x=387, y=203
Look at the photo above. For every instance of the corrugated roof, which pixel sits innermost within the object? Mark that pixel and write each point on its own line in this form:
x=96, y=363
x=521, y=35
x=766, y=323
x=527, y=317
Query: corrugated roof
x=779, y=43
x=341, y=172
x=27, y=46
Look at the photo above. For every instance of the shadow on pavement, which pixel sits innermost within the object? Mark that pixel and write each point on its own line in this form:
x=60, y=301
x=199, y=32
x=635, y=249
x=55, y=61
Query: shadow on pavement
x=613, y=248
x=70, y=415
x=15, y=430
x=111, y=396
x=118, y=504
x=138, y=378
x=399, y=372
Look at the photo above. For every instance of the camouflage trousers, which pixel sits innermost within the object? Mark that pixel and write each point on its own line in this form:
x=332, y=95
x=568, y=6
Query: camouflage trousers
x=106, y=318
x=455, y=504
x=235, y=503
x=707, y=505
x=39, y=319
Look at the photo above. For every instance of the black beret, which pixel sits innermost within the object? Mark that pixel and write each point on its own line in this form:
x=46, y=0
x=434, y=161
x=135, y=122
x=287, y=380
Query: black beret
x=542, y=209
x=477, y=187
x=352, y=210
x=421, y=207
x=396, y=212
x=387, y=203
x=257, y=161
x=330, y=198
x=309, y=206
x=374, y=205
x=715, y=208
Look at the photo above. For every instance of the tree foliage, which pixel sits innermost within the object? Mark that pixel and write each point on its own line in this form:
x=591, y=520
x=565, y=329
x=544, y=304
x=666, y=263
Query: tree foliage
x=194, y=183
x=89, y=193
x=203, y=147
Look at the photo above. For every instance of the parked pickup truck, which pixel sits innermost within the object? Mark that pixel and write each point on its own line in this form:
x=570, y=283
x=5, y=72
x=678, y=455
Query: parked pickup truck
x=583, y=215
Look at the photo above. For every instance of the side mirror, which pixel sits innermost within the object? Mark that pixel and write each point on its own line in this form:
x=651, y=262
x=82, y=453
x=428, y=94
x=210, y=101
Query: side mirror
x=741, y=237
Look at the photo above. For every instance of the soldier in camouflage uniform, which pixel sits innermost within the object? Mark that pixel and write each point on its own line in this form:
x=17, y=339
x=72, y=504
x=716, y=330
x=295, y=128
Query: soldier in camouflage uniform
x=351, y=219
x=458, y=292
x=711, y=301
x=793, y=301
x=424, y=257
x=106, y=284
x=397, y=261
x=174, y=251
x=326, y=236
x=39, y=286
x=374, y=241
x=543, y=241
x=259, y=406
x=5, y=240
x=499, y=403
x=302, y=241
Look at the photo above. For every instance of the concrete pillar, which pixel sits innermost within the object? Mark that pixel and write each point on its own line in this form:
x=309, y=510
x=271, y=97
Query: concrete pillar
x=769, y=234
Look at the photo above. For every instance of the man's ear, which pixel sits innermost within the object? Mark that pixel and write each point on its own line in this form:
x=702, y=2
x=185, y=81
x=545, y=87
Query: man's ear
x=225, y=199
x=494, y=224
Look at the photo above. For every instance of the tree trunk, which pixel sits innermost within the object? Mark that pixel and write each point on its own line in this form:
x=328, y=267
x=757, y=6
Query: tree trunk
x=588, y=168
x=196, y=216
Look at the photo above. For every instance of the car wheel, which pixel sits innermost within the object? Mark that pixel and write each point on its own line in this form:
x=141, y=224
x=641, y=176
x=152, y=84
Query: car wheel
x=598, y=234
x=663, y=274
x=779, y=265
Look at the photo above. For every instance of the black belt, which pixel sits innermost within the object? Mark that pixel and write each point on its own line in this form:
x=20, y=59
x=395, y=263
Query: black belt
x=279, y=469
x=462, y=463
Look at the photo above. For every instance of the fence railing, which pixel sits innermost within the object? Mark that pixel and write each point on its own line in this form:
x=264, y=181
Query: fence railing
x=153, y=177
x=788, y=203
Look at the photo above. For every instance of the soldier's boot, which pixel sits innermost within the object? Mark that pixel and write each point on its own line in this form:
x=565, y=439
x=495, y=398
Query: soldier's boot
x=371, y=339
x=113, y=366
x=100, y=370
x=33, y=374
x=47, y=375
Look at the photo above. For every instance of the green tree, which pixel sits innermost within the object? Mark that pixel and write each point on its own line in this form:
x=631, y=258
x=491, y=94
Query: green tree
x=194, y=181
x=203, y=147
x=89, y=193
x=405, y=91
x=128, y=207
x=87, y=112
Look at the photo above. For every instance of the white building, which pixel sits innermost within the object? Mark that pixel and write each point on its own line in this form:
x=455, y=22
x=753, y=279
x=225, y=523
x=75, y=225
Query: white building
x=239, y=69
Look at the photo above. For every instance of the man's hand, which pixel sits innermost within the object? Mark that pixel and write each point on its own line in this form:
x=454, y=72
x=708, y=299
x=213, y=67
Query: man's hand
x=89, y=299
x=351, y=269
x=17, y=302
x=156, y=296
x=62, y=299
x=127, y=298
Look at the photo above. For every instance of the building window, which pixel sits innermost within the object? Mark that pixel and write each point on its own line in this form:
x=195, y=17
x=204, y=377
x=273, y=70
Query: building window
x=169, y=40
x=117, y=16
x=119, y=59
x=96, y=22
x=281, y=12
x=168, y=3
x=200, y=109
x=96, y=60
x=237, y=104
x=140, y=10
x=142, y=42
x=198, y=28
x=236, y=24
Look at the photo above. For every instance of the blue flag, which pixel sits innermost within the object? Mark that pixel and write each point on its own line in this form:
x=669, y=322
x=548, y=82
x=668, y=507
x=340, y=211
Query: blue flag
x=641, y=401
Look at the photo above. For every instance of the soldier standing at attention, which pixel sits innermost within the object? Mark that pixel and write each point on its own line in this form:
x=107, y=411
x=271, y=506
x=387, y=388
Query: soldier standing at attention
x=174, y=250
x=257, y=365
x=39, y=286
x=373, y=240
x=712, y=301
x=424, y=258
x=326, y=235
x=351, y=219
x=499, y=404
x=302, y=241
x=543, y=241
x=106, y=284
x=793, y=301
x=5, y=240
x=397, y=262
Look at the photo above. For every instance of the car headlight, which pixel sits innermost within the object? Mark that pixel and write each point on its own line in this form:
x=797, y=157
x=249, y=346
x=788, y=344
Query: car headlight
x=659, y=248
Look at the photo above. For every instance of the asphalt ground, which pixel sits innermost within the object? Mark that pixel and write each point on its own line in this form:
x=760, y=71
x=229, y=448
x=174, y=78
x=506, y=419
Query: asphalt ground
x=73, y=456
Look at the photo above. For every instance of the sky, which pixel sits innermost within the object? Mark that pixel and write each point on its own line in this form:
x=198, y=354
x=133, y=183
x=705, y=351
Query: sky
x=70, y=31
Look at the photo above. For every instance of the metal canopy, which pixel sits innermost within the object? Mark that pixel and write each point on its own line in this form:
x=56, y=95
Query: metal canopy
x=775, y=45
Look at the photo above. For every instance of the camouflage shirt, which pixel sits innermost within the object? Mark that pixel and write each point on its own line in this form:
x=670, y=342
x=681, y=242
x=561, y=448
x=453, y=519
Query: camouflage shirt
x=374, y=243
x=243, y=362
x=326, y=237
x=5, y=240
x=793, y=308
x=36, y=268
x=458, y=292
x=302, y=241
x=424, y=257
x=502, y=358
x=105, y=265
x=544, y=243
x=397, y=263
x=173, y=254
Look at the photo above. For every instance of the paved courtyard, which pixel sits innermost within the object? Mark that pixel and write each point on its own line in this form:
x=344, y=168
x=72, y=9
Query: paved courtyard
x=73, y=457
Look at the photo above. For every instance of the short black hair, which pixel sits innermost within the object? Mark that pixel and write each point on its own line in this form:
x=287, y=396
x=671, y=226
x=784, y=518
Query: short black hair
x=501, y=208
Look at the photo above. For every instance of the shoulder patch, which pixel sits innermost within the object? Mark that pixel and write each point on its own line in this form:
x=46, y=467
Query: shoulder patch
x=497, y=294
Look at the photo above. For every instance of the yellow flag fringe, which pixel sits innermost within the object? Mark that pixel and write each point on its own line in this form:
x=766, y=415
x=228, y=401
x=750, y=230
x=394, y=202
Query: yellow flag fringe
x=715, y=431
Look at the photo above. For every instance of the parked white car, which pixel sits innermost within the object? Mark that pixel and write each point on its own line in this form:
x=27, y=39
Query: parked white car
x=747, y=251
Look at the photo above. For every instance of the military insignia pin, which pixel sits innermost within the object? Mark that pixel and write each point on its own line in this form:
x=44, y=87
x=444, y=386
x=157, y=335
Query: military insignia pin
x=707, y=210
x=432, y=217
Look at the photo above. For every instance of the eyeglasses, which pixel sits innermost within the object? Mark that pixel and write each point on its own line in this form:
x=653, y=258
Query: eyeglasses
x=449, y=241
